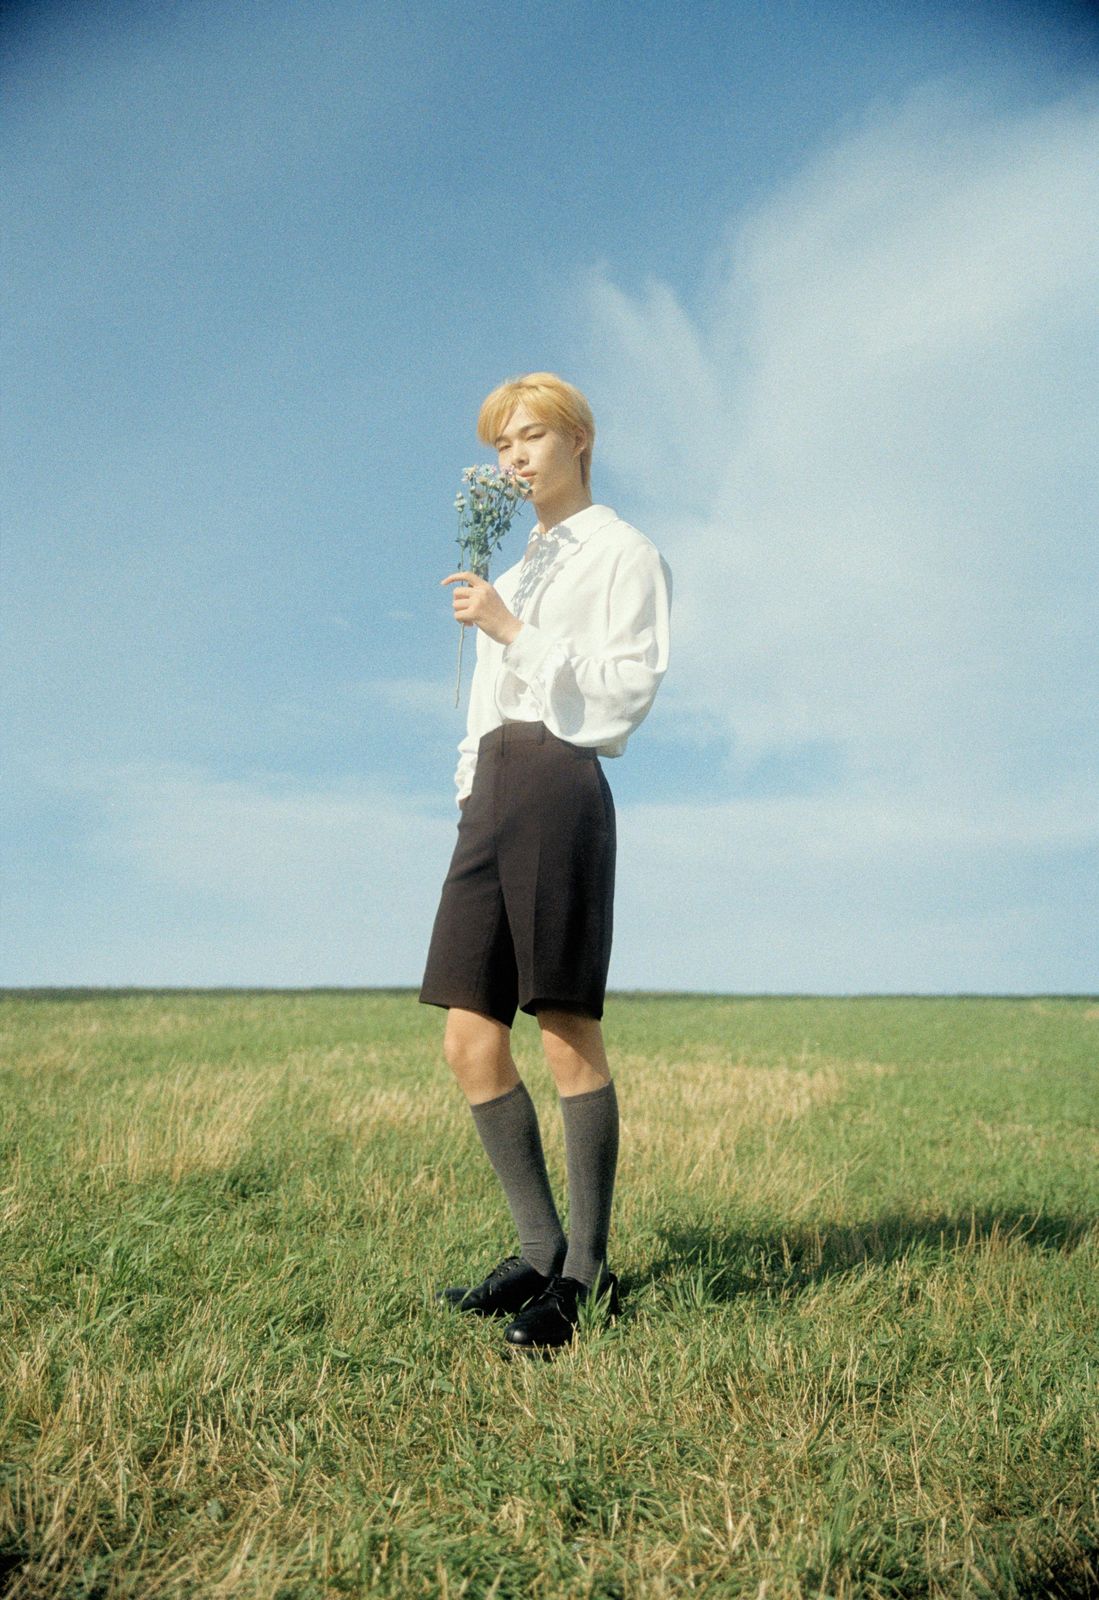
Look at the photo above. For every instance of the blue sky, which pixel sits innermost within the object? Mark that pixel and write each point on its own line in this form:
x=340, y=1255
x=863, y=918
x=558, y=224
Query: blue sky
x=830, y=278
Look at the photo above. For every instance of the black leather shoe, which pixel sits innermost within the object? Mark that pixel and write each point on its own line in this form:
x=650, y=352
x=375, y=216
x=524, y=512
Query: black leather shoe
x=506, y=1290
x=552, y=1319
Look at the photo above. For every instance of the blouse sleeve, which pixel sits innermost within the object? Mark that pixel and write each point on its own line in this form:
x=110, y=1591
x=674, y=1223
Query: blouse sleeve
x=597, y=697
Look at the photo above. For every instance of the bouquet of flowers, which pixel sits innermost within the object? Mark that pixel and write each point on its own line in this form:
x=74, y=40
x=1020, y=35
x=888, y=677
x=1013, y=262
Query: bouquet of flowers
x=485, y=504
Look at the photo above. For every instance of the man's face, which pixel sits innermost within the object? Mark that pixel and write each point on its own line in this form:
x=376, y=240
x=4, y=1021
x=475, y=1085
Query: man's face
x=548, y=459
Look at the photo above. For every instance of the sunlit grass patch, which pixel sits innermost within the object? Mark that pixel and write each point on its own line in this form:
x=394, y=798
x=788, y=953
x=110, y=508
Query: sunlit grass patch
x=856, y=1353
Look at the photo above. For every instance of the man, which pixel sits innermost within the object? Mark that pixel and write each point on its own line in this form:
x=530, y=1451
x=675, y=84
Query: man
x=572, y=645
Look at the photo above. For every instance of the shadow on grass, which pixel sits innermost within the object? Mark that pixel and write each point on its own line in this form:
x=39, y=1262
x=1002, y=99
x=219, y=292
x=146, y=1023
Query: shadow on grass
x=740, y=1261
x=1070, y=1573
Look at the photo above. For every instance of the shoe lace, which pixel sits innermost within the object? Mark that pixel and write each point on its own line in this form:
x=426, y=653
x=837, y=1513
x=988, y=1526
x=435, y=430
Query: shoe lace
x=562, y=1291
x=504, y=1270
x=569, y=1292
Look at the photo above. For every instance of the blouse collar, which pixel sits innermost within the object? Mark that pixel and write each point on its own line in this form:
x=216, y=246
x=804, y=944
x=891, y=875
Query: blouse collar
x=582, y=524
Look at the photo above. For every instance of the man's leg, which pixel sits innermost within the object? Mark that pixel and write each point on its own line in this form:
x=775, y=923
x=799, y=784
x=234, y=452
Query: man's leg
x=478, y=1050
x=574, y=1050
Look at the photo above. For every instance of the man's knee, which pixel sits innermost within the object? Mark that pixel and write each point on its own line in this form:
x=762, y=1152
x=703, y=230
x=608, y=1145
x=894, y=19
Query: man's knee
x=564, y=1032
x=574, y=1049
x=474, y=1043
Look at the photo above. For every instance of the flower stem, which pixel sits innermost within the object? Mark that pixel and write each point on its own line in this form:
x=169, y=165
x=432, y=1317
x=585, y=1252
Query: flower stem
x=458, y=680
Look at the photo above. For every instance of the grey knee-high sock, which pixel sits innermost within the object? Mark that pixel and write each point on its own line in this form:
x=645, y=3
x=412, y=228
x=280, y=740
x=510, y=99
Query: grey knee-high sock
x=509, y=1132
x=591, y=1150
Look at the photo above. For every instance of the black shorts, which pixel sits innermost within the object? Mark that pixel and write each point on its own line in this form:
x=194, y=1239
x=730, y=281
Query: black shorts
x=525, y=917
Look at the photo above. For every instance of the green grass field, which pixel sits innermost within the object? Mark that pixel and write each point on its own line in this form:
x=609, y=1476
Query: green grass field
x=857, y=1356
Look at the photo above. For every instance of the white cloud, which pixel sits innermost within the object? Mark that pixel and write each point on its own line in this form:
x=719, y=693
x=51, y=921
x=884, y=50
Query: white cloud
x=870, y=456
x=419, y=698
x=188, y=878
x=846, y=894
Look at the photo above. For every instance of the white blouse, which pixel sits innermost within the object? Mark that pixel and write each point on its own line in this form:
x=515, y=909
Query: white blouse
x=594, y=600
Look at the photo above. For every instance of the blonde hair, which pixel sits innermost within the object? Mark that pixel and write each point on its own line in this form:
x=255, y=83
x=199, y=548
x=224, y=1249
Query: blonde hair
x=558, y=404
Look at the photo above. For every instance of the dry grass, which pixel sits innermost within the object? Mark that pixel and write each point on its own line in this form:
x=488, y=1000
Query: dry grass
x=856, y=1357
